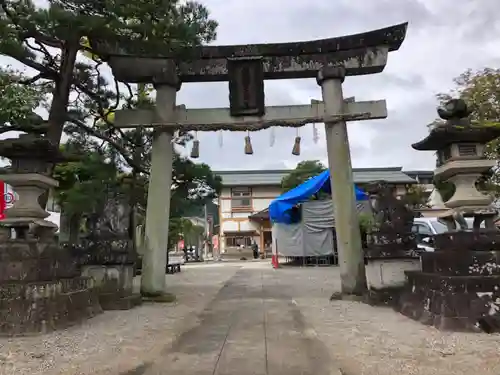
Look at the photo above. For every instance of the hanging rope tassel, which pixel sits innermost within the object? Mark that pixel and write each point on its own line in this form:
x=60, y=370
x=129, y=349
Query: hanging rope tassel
x=296, y=145
x=315, y=134
x=176, y=136
x=221, y=139
x=195, y=151
x=248, y=145
x=272, y=138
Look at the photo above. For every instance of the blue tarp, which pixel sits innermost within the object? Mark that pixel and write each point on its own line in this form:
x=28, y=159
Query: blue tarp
x=279, y=209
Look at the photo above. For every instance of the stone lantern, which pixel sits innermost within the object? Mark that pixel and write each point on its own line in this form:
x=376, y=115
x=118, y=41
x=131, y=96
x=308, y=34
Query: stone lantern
x=459, y=284
x=29, y=180
x=461, y=160
x=40, y=286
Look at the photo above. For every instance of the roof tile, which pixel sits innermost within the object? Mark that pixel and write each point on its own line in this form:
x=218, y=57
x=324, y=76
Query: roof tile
x=274, y=177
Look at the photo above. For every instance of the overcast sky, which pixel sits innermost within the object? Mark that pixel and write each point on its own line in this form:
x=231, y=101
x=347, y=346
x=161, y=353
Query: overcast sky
x=445, y=37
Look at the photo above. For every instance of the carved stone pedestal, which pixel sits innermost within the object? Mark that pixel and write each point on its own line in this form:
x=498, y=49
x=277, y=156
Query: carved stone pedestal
x=115, y=285
x=114, y=282
x=459, y=286
x=391, y=246
x=386, y=272
x=107, y=253
x=111, y=268
x=29, y=305
x=41, y=289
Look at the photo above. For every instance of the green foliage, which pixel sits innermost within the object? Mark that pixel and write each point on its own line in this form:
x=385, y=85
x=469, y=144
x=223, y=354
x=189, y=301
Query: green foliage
x=184, y=228
x=366, y=222
x=49, y=39
x=416, y=196
x=156, y=26
x=481, y=90
x=446, y=189
x=195, y=186
x=18, y=101
x=302, y=172
x=83, y=184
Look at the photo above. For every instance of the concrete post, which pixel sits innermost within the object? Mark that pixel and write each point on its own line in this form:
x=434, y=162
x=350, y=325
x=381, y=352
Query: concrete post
x=158, y=209
x=350, y=252
x=207, y=234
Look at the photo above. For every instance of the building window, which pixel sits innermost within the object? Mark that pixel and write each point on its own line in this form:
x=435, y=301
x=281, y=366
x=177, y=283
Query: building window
x=425, y=180
x=52, y=205
x=241, y=199
x=238, y=241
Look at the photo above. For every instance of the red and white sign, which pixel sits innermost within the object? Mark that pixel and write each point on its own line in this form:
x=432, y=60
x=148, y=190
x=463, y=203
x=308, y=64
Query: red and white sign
x=2, y=200
x=7, y=199
x=180, y=244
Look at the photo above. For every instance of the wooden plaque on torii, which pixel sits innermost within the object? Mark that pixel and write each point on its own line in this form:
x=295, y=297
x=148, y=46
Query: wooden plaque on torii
x=246, y=86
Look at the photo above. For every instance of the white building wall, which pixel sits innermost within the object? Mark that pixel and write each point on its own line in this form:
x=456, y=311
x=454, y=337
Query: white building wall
x=229, y=226
x=225, y=192
x=266, y=191
x=230, y=221
x=260, y=204
x=225, y=208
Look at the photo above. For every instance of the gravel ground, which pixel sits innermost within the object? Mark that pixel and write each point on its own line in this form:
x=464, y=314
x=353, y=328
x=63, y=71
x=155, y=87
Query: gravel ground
x=369, y=340
x=117, y=340
x=364, y=340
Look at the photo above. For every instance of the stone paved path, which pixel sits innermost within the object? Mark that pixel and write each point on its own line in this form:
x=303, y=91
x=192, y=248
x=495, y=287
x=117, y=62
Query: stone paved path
x=246, y=318
x=251, y=327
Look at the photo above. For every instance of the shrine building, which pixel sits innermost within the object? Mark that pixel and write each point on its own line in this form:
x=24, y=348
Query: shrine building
x=246, y=195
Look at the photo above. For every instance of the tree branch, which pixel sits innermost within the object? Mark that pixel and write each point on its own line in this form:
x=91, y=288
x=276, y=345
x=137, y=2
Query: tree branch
x=31, y=80
x=31, y=32
x=12, y=129
x=44, y=39
x=46, y=72
x=110, y=141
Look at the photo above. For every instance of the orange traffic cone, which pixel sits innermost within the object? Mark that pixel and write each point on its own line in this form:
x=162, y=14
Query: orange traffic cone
x=274, y=261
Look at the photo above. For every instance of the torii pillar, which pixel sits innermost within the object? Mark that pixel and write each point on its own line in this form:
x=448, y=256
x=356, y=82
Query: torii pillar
x=350, y=251
x=159, y=192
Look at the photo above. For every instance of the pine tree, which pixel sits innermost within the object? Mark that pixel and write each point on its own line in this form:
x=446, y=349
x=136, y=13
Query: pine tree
x=53, y=44
x=51, y=41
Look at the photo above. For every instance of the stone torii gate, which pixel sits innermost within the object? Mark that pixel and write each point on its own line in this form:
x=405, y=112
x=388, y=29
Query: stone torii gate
x=246, y=67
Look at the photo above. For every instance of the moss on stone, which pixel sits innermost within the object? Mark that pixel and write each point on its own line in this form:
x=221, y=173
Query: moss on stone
x=162, y=298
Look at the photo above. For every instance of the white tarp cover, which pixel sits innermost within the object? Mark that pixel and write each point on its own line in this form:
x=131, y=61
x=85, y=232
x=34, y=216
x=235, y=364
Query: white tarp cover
x=313, y=236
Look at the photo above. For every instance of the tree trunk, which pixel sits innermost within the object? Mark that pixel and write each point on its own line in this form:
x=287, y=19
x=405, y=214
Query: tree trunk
x=59, y=107
x=74, y=228
x=64, y=226
x=134, y=191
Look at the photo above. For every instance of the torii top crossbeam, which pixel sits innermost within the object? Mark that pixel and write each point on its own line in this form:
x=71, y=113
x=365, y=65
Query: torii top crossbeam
x=364, y=53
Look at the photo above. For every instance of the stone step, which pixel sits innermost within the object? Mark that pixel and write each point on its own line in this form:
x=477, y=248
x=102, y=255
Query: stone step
x=464, y=263
x=457, y=303
x=43, y=289
x=83, y=302
x=477, y=240
x=457, y=284
x=114, y=301
x=44, y=311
